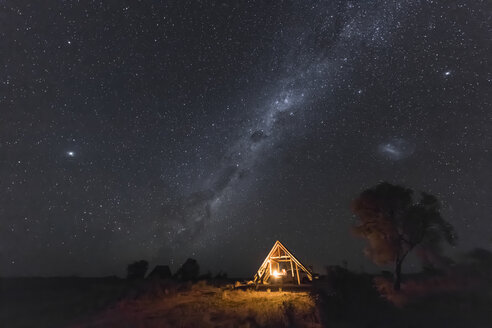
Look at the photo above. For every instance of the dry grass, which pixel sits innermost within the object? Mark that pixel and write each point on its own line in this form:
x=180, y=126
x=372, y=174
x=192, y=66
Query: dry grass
x=208, y=306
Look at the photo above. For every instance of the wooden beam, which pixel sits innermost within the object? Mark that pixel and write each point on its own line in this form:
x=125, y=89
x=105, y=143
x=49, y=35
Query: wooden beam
x=274, y=248
x=298, y=278
x=303, y=268
x=291, y=268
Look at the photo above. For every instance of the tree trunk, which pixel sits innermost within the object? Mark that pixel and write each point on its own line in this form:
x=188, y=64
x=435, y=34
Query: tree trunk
x=397, y=282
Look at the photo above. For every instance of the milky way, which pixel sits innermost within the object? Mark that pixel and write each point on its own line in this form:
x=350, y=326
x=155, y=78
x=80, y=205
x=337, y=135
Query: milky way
x=163, y=131
x=301, y=86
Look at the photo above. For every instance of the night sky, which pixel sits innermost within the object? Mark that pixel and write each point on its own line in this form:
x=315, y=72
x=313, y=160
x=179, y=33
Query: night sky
x=162, y=130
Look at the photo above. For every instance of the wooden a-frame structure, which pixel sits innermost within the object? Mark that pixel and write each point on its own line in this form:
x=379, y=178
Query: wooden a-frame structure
x=281, y=265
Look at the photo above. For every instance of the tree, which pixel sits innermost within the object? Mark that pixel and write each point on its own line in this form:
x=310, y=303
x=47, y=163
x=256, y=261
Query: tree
x=394, y=224
x=189, y=270
x=137, y=270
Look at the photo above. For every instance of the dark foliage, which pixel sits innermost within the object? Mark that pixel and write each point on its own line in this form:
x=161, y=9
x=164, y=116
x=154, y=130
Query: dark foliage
x=394, y=224
x=188, y=271
x=221, y=276
x=160, y=272
x=137, y=270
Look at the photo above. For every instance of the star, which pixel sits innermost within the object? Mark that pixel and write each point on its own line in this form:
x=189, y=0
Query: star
x=228, y=147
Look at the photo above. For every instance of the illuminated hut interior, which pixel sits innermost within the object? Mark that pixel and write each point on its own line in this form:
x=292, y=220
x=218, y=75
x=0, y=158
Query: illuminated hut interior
x=280, y=266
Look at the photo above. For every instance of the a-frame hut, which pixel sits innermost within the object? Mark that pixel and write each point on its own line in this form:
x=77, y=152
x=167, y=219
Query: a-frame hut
x=281, y=266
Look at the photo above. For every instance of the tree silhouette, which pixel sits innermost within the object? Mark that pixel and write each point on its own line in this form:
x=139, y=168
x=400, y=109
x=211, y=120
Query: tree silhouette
x=137, y=270
x=189, y=270
x=394, y=224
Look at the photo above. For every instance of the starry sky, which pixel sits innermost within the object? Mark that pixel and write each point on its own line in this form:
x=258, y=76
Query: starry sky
x=162, y=130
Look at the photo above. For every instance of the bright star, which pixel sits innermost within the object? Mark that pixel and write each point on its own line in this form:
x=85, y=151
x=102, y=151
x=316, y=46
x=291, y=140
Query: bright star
x=447, y=73
x=71, y=153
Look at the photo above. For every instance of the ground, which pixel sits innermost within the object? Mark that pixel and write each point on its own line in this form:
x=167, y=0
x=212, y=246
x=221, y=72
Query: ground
x=112, y=302
x=349, y=300
x=208, y=306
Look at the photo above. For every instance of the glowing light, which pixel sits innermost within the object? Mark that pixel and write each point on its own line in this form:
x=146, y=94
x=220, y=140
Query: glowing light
x=276, y=274
x=71, y=153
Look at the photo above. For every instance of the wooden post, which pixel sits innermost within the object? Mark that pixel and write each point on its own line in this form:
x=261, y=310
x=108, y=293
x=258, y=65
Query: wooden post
x=291, y=268
x=298, y=278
